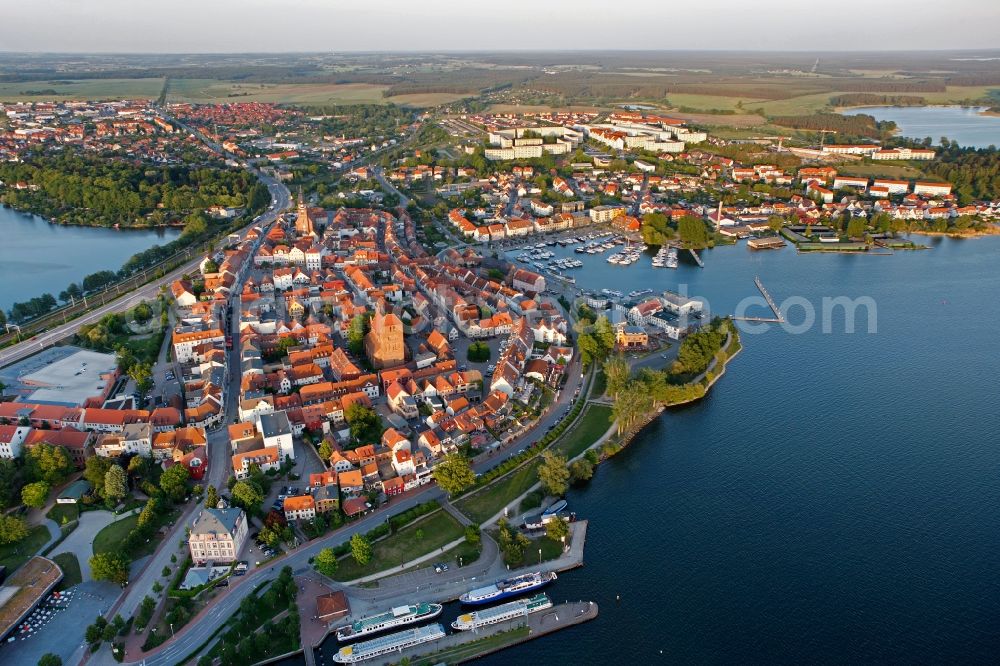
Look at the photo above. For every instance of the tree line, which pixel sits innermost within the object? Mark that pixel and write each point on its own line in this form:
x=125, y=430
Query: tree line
x=94, y=190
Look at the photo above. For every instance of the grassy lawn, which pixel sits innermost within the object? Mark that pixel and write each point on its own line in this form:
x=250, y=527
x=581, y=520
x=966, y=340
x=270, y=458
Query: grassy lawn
x=437, y=529
x=71, y=570
x=14, y=555
x=882, y=170
x=485, y=503
x=109, y=539
x=64, y=513
x=600, y=384
x=550, y=550
x=594, y=422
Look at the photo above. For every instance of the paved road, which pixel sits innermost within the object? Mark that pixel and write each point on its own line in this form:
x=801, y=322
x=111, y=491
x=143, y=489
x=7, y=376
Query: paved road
x=80, y=542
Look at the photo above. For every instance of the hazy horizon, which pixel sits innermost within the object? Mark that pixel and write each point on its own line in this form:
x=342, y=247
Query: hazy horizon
x=435, y=26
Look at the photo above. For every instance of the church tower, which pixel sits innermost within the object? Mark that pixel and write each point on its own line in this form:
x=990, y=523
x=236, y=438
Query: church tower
x=303, y=222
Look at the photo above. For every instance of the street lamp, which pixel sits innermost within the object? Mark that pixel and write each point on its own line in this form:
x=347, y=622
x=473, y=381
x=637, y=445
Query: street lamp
x=539, y=555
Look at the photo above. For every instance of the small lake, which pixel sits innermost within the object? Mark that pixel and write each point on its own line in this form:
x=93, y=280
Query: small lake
x=37, y=257
x=959, y=123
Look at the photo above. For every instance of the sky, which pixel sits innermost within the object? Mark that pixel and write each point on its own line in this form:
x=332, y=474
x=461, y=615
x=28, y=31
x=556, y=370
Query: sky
x=227, y=26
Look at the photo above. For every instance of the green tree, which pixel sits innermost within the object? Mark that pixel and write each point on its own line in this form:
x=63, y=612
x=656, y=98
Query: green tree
x=589, y=348
x=356, y=334
x=473, y=535
x=95, y=470
x=112, y=567
x=512, y=543
x=142, y=374
x=581, y=470
x=35, y=494
x=325, y=451
x=856, y=227
x=617, y=372
x=12, y=529
x=557, y=529
x=115, y=483
x=49, y=659
x=478, y=352
x=142, y=312
x=10, y=483
x=138, y=467
x=454, y=474
x=211, y=497
x=361, y=549
x=604, y=334
x=173, y=482
x=48, y=463
x=248, y=496
x=364, y=423
x=553, y=474
x=693, y=232
x=326, y=562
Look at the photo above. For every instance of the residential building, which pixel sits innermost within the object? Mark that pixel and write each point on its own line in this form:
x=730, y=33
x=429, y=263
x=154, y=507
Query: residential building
x=218, y=535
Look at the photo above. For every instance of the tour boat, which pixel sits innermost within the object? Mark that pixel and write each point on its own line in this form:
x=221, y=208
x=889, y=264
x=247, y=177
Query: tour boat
x=393, y=643
x=390, y=619
x=507, y=587
x=497, y=614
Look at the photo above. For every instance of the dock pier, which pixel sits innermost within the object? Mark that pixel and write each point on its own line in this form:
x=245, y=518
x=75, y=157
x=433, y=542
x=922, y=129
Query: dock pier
x=697, y=259
x=463, y=646
x=778, y=317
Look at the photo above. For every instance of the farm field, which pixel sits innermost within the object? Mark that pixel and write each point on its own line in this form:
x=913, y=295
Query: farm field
x=92, y=89
x=709, y=102
x=217, y=91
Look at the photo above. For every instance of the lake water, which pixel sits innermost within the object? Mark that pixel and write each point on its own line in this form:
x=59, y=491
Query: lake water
x=835, y=498
x=963, y=124
x=37, y=257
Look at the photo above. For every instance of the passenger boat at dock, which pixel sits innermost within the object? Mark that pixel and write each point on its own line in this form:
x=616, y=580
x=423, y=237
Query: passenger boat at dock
x=376, y=647
x=497, y=614
x=395, y=617
x=507, y=587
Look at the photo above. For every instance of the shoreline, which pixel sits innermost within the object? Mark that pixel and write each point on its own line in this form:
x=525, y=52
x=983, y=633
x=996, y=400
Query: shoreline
x=993, y=230
x=30, y=213
x=840, y=109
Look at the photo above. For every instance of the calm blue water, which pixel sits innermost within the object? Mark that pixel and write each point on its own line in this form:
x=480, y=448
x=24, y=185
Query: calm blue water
x=39, y=257
x=963, y=124
x=834, y=500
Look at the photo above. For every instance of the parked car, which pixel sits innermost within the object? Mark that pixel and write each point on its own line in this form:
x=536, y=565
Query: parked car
x=440, y=567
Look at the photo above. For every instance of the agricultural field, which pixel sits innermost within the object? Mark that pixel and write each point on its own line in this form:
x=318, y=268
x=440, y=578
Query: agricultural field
x=712, y=102
x=216, y=91
x=91, y=89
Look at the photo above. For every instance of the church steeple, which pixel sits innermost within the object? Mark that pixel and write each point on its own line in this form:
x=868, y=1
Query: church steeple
x=303, y=223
